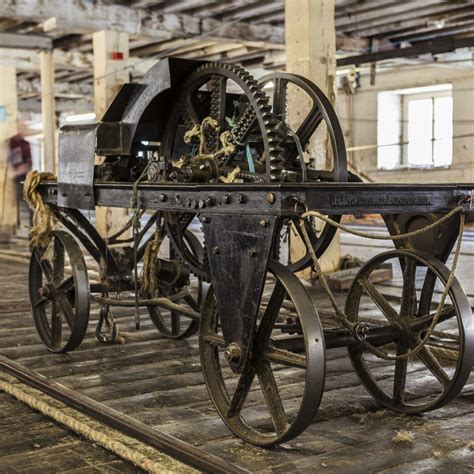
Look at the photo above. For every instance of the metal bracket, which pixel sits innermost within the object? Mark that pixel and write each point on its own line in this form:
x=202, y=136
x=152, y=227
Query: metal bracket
x=238, y=248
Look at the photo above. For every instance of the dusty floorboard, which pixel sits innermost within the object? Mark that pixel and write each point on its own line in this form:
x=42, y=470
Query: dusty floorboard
x=158, y=381
x=31, y=442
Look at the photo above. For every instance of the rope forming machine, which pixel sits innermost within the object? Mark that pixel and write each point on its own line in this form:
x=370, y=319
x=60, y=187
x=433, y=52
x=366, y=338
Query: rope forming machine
x=205, y=142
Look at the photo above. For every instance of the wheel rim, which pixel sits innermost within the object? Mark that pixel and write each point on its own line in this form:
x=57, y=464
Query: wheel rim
x=239, y=408
x=59, y=293
x=173, y=325
x=429, y=379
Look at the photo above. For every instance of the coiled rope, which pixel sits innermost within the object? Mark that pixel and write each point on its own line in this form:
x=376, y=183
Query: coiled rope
x=44, y=221
x=123, y=446
x=341, y=317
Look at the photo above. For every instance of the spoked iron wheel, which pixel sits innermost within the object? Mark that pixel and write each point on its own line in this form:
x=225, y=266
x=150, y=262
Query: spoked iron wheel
x=59, y=293
x=320, y=121
x=171, y=324
x=436, y=374
x=254, y=404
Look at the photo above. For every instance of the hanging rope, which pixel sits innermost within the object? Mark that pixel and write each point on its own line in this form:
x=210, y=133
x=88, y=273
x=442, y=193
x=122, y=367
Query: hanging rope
x=43, y=219
x=369, y=235
x=148, y=280
x=342, y=318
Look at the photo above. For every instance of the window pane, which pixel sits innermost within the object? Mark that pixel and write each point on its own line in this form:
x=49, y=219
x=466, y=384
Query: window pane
x=389, y=130
x=443, y=131
x=420, y=129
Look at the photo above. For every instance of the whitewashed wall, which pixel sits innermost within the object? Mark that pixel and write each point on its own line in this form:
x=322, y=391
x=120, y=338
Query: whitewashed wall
x=364, y=126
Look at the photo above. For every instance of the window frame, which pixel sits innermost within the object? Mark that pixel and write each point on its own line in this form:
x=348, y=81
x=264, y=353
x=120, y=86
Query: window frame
x=406, y=99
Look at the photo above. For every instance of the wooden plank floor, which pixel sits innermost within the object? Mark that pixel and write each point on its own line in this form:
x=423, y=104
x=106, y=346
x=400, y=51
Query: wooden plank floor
x=31, y=442
x=158, y=381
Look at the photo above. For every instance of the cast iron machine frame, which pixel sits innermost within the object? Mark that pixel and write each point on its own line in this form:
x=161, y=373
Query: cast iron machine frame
x=241, y=222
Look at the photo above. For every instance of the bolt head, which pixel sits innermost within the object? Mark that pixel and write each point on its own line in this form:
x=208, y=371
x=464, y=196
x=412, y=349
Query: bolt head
x=271, y=198
x=252, y=252
x=232, y=352
x=162, y=197
x=264, y=223
x=215, y=250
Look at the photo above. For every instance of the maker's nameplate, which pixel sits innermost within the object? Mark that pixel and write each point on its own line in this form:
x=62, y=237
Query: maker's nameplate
x=378, y=201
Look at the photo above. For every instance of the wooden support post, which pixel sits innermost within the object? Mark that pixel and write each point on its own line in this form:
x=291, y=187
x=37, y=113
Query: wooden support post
x=8, y=128
x=111, y=54
x=48, y=111
x=310, y=37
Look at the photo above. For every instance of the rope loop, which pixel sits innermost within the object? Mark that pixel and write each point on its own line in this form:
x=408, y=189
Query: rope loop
x=341, y=317
x=44, y=220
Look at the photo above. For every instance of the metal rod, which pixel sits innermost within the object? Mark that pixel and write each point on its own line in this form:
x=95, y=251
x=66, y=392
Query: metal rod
x=165, y=303
x=127, y=425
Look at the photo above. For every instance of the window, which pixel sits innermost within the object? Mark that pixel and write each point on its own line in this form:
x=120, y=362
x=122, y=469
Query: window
x=415, y=127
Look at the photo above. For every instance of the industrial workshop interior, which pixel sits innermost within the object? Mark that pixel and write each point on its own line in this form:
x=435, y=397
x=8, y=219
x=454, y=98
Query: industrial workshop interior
x=237, y=236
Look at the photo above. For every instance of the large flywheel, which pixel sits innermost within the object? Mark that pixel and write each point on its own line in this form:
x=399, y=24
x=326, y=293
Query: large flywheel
x=319, y=122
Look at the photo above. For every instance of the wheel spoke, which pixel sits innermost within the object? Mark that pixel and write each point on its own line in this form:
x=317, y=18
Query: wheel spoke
x=218, y=99
x=43, y=301
x=58, y=261
x=66, y=308
x=241, y=391
x=408, y=302
x=400, y=377
x=281, y=356
x=214, y=340
x=192, y=302
x=66, y=285
x=56, y=326
x=424, y=322
x=244, y=124
x=433, y=365
x=272, y=396
x=309, y=125
x=45, y=266
x=270, y=315
x=387, y=309
x=279, y=98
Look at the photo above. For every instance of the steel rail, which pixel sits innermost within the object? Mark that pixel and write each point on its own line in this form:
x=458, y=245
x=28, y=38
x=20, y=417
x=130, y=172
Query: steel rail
x=125, y=424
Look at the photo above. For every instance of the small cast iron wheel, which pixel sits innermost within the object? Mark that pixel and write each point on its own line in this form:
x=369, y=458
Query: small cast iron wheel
x=171, y=324
x=437, y=373
x=59, y=293
x=321, y=115
x=274, y=359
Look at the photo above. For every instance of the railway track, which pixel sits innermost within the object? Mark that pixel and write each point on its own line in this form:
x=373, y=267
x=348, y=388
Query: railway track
x=166, y=444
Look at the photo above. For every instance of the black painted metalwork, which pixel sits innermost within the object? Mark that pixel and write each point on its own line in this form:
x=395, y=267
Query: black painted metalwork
x=161, y=142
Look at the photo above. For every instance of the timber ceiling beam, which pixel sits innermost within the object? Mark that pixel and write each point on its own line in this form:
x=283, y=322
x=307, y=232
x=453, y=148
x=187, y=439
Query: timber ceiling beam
x=19, y=41
x=85, y=16
x=433, y=47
